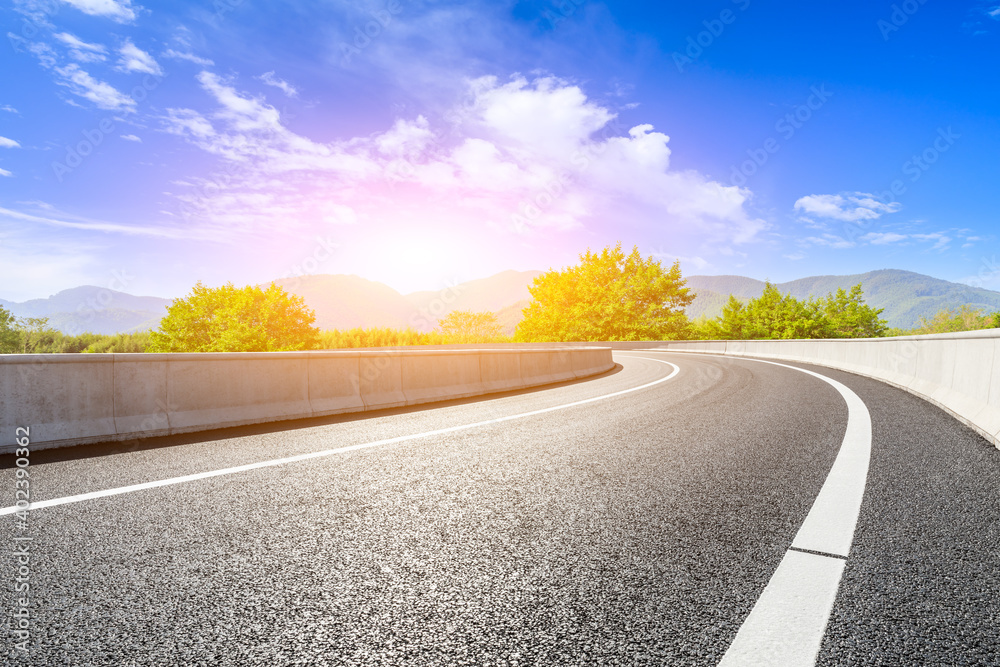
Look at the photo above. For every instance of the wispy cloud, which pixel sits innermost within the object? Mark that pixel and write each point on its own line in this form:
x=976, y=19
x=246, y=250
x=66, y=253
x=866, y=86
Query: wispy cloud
x=8, y=108
x=131, y=137
x=8, y=143
x=103, y=95
x=101, y=226
x=117, y=10
x=827, y=240
x=134, y=59
x=940, y=240
x=884, y=238
x=4, y=172
x=270, y=79
x=81, y=50
x=190, y=57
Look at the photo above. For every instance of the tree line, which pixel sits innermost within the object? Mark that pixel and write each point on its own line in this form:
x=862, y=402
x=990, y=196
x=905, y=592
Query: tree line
x=607, y=296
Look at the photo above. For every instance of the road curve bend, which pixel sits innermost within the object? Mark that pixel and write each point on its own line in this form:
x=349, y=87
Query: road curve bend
x=635, y=518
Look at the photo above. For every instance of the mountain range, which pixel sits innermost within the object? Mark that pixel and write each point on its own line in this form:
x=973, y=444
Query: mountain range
x=904, y=296
x=347, y=301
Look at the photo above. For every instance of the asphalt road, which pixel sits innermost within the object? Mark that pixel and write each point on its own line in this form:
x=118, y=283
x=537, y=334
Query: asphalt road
x=637, y=529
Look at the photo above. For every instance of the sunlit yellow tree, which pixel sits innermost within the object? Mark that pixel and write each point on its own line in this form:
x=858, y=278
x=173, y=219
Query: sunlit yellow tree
x=236, y=319
x=607, y=296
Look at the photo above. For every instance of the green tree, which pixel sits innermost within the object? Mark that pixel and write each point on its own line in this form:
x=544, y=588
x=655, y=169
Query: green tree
x=771, y=315
x=966, y=318
x=10, y=337
x=121, y=342
x=36, y=336
x=776, y=315
x=236, y=319
x=607, y=296
x=465, y=326
x=848, y=316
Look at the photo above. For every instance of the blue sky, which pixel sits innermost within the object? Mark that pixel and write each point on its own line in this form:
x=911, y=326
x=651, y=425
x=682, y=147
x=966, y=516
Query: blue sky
x=145, y=146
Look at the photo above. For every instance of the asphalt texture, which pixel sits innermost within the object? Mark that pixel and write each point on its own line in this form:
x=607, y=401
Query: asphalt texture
x=636, y=530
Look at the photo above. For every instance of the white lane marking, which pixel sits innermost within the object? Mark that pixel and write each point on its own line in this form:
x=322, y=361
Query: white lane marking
x=328, y=452
x=787, y=624
x=802, y=590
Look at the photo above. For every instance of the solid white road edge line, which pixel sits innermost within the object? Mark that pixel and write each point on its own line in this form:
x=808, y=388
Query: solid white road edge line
x=326, y=452
x=787, y=624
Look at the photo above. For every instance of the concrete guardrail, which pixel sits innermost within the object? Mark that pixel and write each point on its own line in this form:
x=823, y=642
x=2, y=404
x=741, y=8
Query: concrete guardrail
x=73, y=399
x=958, y=372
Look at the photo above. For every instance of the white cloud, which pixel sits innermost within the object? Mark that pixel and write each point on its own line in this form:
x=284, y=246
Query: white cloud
x=4, y=172
x=45, y=54
x=8, y=143
x=338, y=214
x=101, y=94
x=512, y=156
x=883, y=238
x=81, y=50
x=8, y=108
x=131, y=137
x=117, y=10
x=994, y=13
x=406, y=138
x=940, y=240
x=699, y=263
x=187, y=122
x=827, y=240
x=190, y=57
x=134, y=59
x=270, y=79
x=845, y=207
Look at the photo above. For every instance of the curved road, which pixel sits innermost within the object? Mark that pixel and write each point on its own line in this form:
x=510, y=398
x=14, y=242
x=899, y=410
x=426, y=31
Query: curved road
x=631, y=519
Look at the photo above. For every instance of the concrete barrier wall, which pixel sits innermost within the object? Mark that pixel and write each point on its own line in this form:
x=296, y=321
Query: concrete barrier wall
x=72, y=399
x=958, y=372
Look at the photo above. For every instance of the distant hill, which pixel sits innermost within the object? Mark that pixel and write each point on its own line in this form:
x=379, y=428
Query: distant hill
x=493, y=294
x=344, y=302
x=94, y=309
x=511, y=316
x=906, y=296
